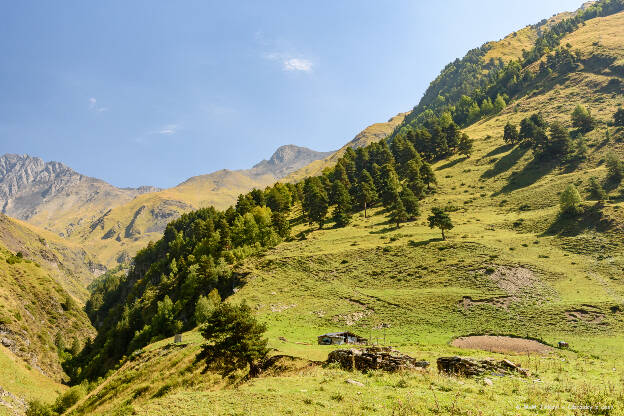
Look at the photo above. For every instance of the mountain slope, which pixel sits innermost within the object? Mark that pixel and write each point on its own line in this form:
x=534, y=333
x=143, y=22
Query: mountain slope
x=36, y=311
x=54, y=196
x=113, y=223
x=67, y=263
x=373, y=133
x=511, y=265
x=117, y=234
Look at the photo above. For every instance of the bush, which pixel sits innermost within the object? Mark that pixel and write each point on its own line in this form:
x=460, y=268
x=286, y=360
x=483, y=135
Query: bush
x=582, y=119
x=36, y=408
x=69, y=398
x=596, y=191
x=570, y=201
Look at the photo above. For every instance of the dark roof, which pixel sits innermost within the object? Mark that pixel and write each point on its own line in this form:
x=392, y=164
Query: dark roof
x=337, y=334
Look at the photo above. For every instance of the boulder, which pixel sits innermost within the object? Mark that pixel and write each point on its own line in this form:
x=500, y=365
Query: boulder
x=470, y=367
x=374, y=358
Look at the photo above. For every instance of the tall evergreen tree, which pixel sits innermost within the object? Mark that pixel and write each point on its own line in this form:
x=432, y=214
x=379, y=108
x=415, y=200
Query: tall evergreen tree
x=342, y=211
x=367, y=194
x=427, y=175
x=398, y=213
x=410, y=202
x=414, y=179
x=315, y=201
x=390, y=184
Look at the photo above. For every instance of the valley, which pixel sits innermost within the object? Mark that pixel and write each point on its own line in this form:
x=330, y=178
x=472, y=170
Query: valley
x=494, y=208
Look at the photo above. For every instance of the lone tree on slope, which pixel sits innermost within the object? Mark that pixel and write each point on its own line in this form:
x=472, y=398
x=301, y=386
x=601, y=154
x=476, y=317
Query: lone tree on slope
x=234, y=339
x=440, y=219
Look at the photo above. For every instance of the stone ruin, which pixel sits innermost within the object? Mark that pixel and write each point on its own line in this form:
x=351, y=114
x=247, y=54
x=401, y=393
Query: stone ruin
x=374, y=358
x=470, y=367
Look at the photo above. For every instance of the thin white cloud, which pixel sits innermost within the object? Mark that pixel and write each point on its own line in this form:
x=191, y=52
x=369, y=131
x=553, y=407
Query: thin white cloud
x=93, y=106
x=291, y=63
x=168, y=130
x=297, y=64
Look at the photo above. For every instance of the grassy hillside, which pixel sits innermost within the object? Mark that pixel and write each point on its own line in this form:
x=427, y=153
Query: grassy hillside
x=67, y=263
x=37, y=313
x=512, y=265
x=24, y=384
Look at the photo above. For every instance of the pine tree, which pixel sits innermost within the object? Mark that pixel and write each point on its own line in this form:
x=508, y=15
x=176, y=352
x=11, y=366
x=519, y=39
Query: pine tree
x=560, y=143
x=342, y=212
x=398, y=213
x=465, y=145
x=234, y=339
x=615, y=169
x=596, y=191
x=510, y=134
x=315, y=201
x=366, y=193
x=414, y=180
x=440, y=219
x=390, y=184
x=410, y=202
x=427, y=175
x=281, y=224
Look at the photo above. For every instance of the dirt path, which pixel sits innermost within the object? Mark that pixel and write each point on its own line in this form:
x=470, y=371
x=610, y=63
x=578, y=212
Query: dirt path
x=501, y=344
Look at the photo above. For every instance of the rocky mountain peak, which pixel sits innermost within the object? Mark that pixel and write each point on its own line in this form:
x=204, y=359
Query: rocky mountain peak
x=287, y=159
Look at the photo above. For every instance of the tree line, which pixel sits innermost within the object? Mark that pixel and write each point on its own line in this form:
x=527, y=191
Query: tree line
x=173, y=283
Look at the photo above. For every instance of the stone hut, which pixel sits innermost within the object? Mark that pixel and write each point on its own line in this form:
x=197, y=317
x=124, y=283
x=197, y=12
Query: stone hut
x=339, y=338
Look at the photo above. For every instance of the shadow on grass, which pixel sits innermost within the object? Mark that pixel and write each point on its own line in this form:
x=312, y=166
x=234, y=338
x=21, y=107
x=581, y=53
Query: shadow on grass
x=424, y=242
x=500, y=149
x=570, y=226
x=506, y=162
x=531, y=173
x=452, y=163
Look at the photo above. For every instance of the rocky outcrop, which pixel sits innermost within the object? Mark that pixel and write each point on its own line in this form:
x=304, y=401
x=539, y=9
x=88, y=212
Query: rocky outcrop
x=374, y=358
x=287, y=159
x=34, y=190
x=470, y=367
x=15, y=404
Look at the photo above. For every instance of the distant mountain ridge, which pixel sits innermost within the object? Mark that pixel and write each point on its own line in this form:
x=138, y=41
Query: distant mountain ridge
x=113, y=223
x=34, y=190
x=287, y=159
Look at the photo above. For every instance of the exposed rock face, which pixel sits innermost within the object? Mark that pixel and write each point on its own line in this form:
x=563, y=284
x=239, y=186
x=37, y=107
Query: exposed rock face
x=470, y=367
x=37, y=191
x=374, y=358
x=287, y=159
x=15, y=404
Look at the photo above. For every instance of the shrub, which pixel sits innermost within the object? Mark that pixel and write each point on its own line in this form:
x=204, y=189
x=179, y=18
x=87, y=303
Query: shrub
x=582, y=119
x=36, y=408
x=570, y=201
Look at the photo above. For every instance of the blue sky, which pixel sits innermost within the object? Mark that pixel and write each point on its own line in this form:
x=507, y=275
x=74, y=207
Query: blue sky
x=153, y=92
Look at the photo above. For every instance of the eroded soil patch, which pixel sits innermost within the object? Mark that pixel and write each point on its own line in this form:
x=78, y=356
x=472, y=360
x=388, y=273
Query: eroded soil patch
x=501, y=344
